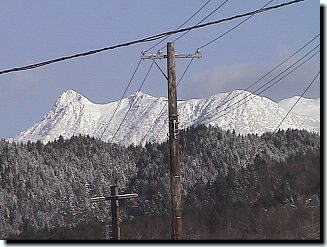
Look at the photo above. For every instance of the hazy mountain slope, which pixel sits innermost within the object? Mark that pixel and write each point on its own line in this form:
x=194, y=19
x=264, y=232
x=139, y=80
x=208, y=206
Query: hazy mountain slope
x=74, y=114
x=307, y=107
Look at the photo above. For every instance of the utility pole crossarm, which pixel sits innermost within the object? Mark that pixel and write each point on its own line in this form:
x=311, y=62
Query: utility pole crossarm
x=118, y=197
x=159, y=55
x=114, y=198
x=98, y=199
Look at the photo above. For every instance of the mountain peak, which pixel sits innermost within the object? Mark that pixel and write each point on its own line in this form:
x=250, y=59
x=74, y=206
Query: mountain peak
x=70, y=93
x=140, y=95
x=69, y=96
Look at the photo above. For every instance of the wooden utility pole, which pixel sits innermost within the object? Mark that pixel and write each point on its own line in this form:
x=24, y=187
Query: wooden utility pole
x=114, y=197
x=114, y=212
x=175, y=167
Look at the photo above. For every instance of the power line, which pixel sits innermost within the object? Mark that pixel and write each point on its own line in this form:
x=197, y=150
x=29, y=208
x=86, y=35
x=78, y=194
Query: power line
x=242, y=103
x=202, y=20
x=253, y=96
x=163, y=73
x=187, y=67
x=165, y=38
x=273, y=69
x=234, y=27
x=129, y=83
x=212, y=12
x=269, y=72
x=163, y=108
x=134, y=101
x=147, y=39
x=277, y=128
x=297, y=100
x=175, y=40
x=222, y=35
x=155, y=63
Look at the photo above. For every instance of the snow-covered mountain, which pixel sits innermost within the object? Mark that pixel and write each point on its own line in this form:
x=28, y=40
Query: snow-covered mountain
x=306, y=107
x=74, y=114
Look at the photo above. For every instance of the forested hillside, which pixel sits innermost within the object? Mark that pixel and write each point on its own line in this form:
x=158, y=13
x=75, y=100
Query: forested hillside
x=43, y=190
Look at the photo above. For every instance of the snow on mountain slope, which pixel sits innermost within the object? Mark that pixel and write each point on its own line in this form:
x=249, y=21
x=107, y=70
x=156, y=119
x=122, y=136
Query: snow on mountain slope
x=306, y=107
x=73, y=114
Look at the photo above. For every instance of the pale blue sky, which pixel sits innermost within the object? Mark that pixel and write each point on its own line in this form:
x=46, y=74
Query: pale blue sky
x=33, y=31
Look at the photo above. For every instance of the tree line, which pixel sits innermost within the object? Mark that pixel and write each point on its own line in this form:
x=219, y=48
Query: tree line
x=251, y=185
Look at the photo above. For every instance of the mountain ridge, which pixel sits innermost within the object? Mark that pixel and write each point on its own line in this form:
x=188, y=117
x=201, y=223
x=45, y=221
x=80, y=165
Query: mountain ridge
x=74, y=114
